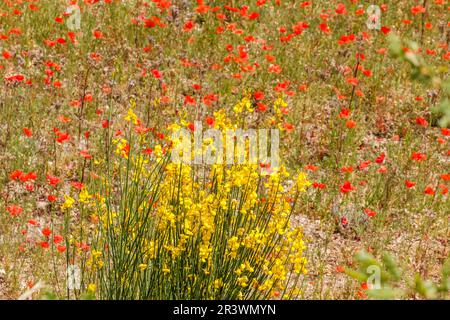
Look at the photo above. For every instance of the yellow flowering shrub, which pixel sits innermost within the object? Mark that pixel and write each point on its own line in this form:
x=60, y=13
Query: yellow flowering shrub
x=176, y=231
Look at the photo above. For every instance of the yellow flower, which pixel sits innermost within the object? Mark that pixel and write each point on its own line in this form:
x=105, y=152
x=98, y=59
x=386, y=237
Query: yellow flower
x=84, y=196
x=122, y=147
x=92, y=287
x=158, y=151
x=302, y=182
x=218, y=283
x=96, y=253
x=245, y=103
x=242, y=281
x=233, y=245
x=166, y=270
x=68, y=203
x=142, y=266
x=280, y=103
x=131, y=116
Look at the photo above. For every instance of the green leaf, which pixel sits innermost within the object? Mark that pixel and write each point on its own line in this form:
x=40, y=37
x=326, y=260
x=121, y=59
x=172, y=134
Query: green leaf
x=425, y=288
x=366, y=259
x=395, y=45
x=443, y=110
x=357, y=275
x=391, y=266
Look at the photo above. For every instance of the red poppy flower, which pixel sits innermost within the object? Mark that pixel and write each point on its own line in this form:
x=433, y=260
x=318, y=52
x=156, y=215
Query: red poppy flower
x=380, y=158
x=311, y=167
x=274, y=68
x=289, y=127
x=409, y=184
x=28, y=176
x=15, y=175
x=6, y=55
x=209, y=121
x=157, y=74
x=319, y=185
x=385, y=29
x=370, y=213
x=417, y=9
x=62, y=136
x=367, y=72
x=261, y=106
x=85, y=154
x=77, y=185
x=340, y=9
x=347, y=169
x=353, y=81
x=445, y=132
x=57, y=238
x=147, y=151
x=364, y=165
x=44, y=244
x=350, y=124
x=345, y=113
x=258, y=95
x=14, y=210
x=52, y=180
x=324, y=27
x=346, y=187
x=46, y=232
x=188, y=100
x=417, y=156
x=444, y=189
x=188, y=26
x=421, y=122
x=253, y=15
x=98, y=34
x=382, y=169
x=88, y=97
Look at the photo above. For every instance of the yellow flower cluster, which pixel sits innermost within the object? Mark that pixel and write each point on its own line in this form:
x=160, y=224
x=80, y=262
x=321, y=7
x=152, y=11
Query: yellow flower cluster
x=185, y=231
x=225, y=219
x=244, y=104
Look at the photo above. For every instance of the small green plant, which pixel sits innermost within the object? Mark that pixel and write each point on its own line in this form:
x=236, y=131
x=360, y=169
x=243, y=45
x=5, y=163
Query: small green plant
x=385, y=279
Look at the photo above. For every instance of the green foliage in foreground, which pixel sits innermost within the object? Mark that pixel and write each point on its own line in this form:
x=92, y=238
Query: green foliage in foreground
x=386, y=280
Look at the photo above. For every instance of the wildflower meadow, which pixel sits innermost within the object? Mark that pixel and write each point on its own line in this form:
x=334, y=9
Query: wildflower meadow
x=224, y=149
